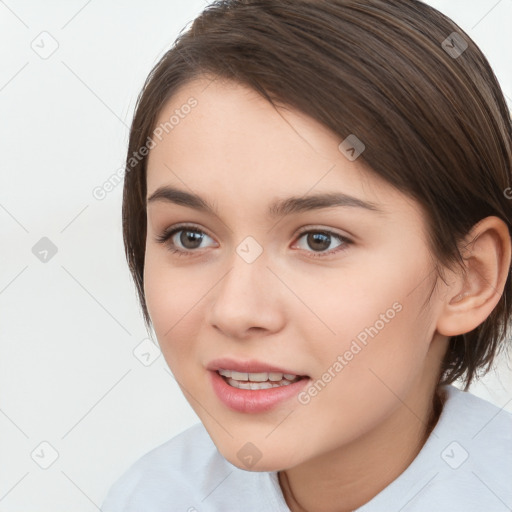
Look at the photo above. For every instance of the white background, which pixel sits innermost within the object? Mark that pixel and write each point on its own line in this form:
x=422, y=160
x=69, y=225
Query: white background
x=68, y=327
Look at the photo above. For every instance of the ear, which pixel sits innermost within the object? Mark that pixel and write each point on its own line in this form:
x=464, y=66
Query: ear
x=475, y=292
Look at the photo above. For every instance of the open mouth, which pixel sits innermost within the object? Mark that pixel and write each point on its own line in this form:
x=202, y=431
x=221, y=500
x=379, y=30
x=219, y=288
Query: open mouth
x=256, y=381
x=257, y=391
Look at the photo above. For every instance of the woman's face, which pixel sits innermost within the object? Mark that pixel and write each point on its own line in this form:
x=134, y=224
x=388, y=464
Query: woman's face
x=274, y=280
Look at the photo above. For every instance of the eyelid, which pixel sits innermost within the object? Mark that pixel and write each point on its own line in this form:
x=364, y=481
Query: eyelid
x=169, y=232
x=345, y=241
x=323, y=229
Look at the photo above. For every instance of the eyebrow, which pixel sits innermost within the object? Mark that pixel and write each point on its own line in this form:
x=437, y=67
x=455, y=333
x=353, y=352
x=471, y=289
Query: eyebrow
x=279, y=208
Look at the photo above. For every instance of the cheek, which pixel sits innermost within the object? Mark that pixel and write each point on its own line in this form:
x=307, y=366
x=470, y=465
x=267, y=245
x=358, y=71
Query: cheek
x=174, y=300
x=383, y=332
x=380, y=326
x=374, y=301
x=360, y=385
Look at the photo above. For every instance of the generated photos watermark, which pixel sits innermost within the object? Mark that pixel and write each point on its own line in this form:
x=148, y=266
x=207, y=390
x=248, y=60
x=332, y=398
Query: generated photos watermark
x=100, y=192
x=356, y=346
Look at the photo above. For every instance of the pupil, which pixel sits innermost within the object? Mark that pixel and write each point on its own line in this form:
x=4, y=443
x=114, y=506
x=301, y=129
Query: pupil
x=313, y=240
x=190, y=236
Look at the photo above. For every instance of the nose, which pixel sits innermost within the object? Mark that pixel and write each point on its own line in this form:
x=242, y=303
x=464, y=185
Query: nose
x=247, y=301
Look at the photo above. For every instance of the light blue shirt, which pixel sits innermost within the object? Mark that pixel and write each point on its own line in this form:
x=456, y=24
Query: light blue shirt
x=465, y=466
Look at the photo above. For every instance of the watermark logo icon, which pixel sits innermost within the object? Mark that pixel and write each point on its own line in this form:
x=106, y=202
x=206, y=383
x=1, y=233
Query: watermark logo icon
x=249, y=454
x=249, y=249
x=44, y=455
x=351, y=147
x=44, y=250
x=454, y=455
x=45, y=45
x=454, y=45
x=147, y=352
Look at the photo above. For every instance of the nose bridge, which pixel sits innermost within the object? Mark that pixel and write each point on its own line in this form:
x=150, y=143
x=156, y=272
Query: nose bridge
x=247, y=274
x=243, y=298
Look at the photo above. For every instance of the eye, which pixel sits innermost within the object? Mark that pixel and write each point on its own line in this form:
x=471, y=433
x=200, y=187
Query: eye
x=320, y=240
x=183, y=240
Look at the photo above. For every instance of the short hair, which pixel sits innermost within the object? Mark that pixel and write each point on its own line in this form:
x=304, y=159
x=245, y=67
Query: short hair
x=400, y=75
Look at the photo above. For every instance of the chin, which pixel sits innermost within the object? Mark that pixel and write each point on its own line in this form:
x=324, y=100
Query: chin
x=249, y=458
x=260, y=466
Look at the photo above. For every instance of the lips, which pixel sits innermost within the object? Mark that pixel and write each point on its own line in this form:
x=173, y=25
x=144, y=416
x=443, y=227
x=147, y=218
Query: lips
x=258, y=398
x=253, y=386
x=249, y=366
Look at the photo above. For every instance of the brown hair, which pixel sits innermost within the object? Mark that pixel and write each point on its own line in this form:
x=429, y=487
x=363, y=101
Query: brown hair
x=428, y=108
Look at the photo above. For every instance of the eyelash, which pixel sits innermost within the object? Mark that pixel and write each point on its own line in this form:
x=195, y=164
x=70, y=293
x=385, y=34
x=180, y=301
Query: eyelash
x=169, y=233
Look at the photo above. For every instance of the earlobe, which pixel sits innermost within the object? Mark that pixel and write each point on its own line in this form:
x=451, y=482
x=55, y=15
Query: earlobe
x=477, y=289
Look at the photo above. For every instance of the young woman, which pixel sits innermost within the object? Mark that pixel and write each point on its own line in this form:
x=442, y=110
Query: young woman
x=317, y=217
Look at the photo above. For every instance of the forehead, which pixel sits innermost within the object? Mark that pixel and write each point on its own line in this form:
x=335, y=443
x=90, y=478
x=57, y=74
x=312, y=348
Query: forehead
x=234, y=144
x=233, y=123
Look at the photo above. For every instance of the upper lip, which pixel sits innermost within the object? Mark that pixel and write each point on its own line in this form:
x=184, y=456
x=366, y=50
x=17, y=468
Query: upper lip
x=247, y=366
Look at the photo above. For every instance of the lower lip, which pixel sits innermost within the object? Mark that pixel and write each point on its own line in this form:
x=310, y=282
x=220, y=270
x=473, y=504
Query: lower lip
x=254, y=400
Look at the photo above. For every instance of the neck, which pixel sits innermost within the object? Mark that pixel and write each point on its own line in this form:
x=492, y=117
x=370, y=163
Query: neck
x=347, y=478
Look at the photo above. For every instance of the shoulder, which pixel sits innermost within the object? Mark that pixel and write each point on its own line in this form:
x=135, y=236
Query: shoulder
x=164, y=473
x=476, y=450
x=465, y=464
x=472, y=447
x=484, y=428
x=482, y=423
x=182, y=453
x=188, y=473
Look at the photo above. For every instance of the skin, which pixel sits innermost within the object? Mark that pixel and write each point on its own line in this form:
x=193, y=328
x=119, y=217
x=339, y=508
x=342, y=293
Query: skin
x=297, y=311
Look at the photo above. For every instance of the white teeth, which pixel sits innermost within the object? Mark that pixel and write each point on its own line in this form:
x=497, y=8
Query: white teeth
x=239, y=376
x=260, y=385
x=254, y=385
x=260, y=380
x=257, y=377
